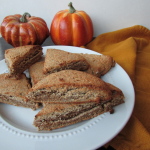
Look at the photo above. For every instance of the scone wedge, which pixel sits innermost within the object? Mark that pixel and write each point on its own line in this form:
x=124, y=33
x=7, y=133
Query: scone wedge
x=54, y=116
x=57, y=60
x=13, y=91
x=70, y=86
x=20, y=58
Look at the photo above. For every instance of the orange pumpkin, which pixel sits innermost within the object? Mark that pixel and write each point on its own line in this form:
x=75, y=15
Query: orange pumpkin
x=71, y=27
x=22, y=30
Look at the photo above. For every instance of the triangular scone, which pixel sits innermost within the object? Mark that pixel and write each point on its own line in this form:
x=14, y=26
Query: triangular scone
x=36, y=72
x=13, y=91
x=19, y=59
x=99, y=64
x=54, y=116
x=70, y=86
x=57, y=60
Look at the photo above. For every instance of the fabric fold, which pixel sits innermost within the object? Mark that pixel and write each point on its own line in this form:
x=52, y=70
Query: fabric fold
x=130, y=48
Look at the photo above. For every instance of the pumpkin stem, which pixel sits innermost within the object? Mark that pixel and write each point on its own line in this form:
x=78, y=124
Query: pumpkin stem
x=24, y=17
x=71, y=8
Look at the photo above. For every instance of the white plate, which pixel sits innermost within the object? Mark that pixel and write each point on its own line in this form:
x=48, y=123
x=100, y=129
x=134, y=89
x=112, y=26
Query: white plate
x=17, y=131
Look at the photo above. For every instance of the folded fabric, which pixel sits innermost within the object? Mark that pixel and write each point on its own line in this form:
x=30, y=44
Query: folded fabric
x=130, y=48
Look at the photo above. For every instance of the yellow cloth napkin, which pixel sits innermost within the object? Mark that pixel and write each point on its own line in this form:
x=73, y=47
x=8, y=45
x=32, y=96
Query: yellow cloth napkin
x=130, y=47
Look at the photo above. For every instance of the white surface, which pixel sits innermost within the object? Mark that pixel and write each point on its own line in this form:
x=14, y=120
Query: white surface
x=107, y=15
x=16, y=122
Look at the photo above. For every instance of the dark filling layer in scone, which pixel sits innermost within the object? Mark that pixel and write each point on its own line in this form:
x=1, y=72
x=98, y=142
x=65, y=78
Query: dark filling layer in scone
x=70, y=116
x=18, y=101
x=74, y=65
x=69, y=94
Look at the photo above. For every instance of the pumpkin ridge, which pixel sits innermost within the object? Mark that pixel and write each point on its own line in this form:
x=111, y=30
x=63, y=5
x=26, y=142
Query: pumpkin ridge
x=37, y=41
x=14, y=38
x=88, y=25
x=80, y=28
x=6, y=34
x=20, y=38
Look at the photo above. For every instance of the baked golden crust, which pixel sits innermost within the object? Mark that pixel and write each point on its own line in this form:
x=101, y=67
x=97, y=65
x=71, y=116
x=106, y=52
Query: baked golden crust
x=12, y=86
x=68, y=77
x=57, y=60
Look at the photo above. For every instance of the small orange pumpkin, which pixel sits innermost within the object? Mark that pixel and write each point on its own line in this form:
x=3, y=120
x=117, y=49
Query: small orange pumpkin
x=71, y=27
x=23, y=30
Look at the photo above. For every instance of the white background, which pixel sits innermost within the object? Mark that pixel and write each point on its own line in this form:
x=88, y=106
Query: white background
x=107, y=15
